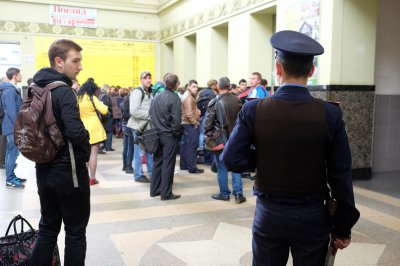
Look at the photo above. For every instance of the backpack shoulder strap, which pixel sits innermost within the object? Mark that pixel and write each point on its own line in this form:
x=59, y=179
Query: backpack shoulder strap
x=55, y=84
x=143, y=93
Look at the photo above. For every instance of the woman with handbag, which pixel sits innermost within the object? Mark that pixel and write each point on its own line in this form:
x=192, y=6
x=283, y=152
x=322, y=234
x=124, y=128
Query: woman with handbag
x=90, y=108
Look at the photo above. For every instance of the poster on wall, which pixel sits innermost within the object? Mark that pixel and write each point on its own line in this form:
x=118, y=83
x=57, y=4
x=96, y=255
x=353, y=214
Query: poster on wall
x=73, y=16
x=10, y=57
x=303, y=16
x=108, y=62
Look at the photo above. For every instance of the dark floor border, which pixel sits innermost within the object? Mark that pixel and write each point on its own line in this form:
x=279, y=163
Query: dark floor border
x=362, y=173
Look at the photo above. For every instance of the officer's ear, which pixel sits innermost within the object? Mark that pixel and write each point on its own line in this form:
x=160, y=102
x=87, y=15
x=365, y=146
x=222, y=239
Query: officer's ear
x=311, y=71
x=278, y=68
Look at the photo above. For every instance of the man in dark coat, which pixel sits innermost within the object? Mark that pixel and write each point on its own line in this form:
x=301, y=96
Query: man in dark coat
x=225, y=107
x=301, y=148
x=166, y=116
x=63, y=184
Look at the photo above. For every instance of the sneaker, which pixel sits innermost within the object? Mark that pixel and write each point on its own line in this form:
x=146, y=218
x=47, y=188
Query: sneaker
x=142, y=179
x=239, y=198
x=129, y=170
x=14, y=184
x=219, y=196
x=20, y=179
x=101, y=151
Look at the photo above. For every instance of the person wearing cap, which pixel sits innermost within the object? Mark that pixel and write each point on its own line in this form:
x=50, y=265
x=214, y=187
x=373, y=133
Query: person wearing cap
x=224, y=107
x=301, y=149
x=139, y=107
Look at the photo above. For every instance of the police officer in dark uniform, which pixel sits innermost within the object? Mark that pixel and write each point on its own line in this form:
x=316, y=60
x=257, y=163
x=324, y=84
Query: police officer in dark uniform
x=301, y=149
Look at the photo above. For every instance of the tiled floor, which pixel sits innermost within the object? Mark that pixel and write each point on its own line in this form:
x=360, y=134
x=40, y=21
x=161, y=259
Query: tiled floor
x=127, y=227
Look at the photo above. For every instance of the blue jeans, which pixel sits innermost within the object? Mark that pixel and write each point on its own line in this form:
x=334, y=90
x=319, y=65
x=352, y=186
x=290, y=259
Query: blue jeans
x=11, y=157
x=201, y=132
x=137, y=160
x=127, y=152
x=108, y=142
x=222, y=175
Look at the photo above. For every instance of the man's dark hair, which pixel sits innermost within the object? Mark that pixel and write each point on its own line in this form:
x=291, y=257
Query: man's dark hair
x=171, y=81
x=60, y=48
x=88, y=87
x=11, y=72
x=242, y=80
x=233, y=86
x=191, y=82
x=29, y=81
x=295, y=69
x=264, y=82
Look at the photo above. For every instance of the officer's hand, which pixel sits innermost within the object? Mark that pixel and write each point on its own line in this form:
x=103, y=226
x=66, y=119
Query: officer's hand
x=341, y=243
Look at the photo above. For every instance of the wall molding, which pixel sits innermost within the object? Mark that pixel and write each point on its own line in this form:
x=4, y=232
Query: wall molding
x=103, y=33
x=212, y=15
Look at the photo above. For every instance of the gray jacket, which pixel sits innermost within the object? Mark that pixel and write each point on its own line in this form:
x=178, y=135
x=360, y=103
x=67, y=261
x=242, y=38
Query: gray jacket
x=139, y=109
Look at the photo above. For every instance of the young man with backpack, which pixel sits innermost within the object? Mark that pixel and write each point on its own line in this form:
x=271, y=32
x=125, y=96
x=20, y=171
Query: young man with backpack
x=139, y=107
x=63, y=182
x=10, y=102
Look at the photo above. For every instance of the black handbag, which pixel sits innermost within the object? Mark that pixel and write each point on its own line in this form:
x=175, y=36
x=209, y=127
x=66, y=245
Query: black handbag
x=215, y=140
x=17, y=249
x=148, y=138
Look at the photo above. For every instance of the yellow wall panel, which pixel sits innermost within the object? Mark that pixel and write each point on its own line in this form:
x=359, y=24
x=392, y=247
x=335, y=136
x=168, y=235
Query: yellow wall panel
x=108, y=62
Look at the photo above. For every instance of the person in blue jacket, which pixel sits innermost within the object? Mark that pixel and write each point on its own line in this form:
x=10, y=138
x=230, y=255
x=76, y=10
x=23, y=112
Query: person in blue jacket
x=301, y=151
x=11, y=102
x=256, y=90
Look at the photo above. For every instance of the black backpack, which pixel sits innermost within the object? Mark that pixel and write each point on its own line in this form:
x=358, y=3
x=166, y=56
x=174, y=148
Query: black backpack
x=126, y=114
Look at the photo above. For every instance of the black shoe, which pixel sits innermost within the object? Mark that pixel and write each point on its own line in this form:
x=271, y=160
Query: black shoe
x=20, y=179
x=155, y=195
x=111, y=149
x=196, y=171
x=142, y=179
x=124, y=167
x=172, y=197
x=129, y=170
x=101, y=151
x=219, y=196
x=239, y=198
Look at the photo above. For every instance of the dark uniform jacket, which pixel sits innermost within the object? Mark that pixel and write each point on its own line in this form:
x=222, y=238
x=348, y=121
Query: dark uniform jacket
x=66, y=112
x=231, y=105
x=166, y=114
x=237, y=153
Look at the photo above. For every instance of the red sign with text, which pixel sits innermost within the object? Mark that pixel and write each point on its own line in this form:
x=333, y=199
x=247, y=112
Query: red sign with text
x=73, y=16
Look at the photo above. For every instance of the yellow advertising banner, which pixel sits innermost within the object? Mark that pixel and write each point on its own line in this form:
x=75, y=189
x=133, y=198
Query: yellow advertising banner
x=107, y=62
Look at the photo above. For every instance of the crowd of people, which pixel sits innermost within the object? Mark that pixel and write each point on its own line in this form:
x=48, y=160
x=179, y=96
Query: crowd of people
x=296, y=144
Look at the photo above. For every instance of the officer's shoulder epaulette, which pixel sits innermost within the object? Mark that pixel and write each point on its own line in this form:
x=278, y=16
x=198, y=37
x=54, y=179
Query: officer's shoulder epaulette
x=334, y=103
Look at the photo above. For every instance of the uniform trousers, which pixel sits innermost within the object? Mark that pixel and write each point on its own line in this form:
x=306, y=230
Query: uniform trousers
x=61, y=202
x=164, y=166
x=189, y=145
x=279, y=226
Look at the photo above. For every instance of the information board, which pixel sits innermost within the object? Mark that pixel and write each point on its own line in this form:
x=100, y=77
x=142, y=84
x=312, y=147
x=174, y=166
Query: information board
x=108, y=62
